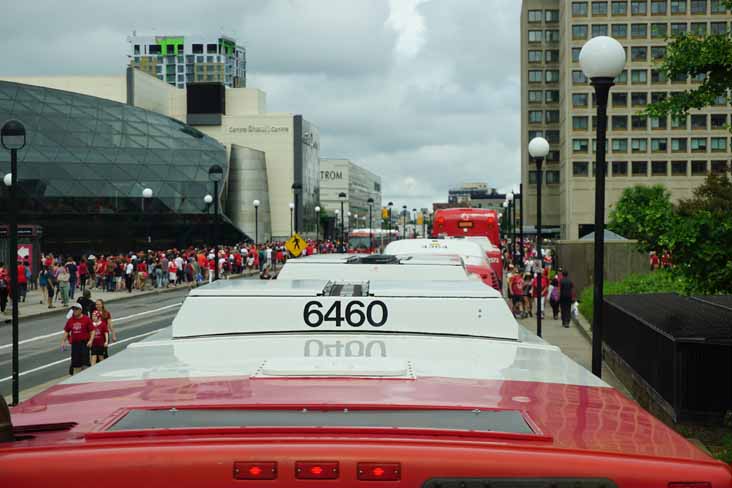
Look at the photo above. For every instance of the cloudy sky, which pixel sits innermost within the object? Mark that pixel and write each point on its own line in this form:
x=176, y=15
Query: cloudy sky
x=423, y=92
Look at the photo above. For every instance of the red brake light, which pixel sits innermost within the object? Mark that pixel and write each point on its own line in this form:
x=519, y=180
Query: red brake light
x=307, y=470
x=379, y=471
x=255, y=470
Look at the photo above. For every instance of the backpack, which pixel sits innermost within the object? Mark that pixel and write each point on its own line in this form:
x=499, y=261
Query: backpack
x=555, y=294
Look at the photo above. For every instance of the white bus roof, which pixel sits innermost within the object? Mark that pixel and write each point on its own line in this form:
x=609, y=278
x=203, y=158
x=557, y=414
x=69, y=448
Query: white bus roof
x=377, y=267
x=434, y=246
x=462, y=308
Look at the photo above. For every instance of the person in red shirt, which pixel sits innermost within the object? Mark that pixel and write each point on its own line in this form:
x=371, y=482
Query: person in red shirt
x=79, y=332
x=22, y=281
x=101, y=322
x=544, y=291
x=517, y=293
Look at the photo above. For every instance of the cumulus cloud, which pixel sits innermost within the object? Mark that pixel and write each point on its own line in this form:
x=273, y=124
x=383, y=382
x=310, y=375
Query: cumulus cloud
x=424, y=93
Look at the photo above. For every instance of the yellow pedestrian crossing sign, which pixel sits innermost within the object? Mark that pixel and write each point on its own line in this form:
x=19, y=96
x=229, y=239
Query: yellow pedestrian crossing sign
x=295, y=244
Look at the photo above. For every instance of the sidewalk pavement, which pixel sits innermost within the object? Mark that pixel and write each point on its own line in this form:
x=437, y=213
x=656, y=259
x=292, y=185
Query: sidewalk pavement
x=36, y=305
x=575, y=343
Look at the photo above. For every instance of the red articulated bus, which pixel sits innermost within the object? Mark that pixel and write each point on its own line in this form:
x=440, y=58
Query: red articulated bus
x=360, y=240
x=336, y=383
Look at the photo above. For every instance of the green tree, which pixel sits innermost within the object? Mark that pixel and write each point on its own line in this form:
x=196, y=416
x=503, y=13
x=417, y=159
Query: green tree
x=643, y=213
x=700, y=236
x=693, y=55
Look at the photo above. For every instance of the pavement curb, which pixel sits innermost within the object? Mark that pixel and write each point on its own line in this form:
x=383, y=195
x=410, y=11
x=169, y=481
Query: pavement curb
x=123, y=296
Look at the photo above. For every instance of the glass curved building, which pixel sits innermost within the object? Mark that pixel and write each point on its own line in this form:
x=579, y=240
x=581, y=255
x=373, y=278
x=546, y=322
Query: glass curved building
x=86, y=163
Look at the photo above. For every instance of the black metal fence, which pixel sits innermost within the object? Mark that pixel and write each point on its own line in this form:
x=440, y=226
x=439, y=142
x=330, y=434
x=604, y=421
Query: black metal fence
x=681, y=347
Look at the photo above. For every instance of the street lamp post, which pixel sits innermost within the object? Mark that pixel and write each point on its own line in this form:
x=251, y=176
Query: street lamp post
x=296, y=187
x=538, y=149
x=256, y=222
x=521, y=221
x=414, y=221
x=602, y=59
x=337, y=214
x=350, y=226
x=391, y=204
x=12, y=137
x=147, y=194
x=208, y=200
x=404, y=221
x=342, y=198
x=292, y=208
x=216, y=174
x=370, y=201
x=512, y=213
x=506, y=220
x=317, y=223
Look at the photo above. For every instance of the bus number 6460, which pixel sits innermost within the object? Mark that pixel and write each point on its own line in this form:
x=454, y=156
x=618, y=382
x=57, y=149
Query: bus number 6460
x=355, y=313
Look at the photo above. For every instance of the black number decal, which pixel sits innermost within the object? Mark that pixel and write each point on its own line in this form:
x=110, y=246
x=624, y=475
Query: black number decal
x=352, y=312
x=354, y=315
x=370, y=313
x=334, y=309
x=308, y=312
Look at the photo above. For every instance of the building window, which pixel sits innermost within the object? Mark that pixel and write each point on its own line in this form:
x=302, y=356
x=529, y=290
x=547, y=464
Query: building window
x=620, y=31
x=155, y=49
x=658, y=97
x=639, y=53
x=553, y=156
x=578, y=76
x=620, y=122
x=536, y=116
x=535, y=75
x=580, y=122
x=551, y=56
x=698, y=168
x=678, y=28
x=552, y=116
x=678, y=6
x=639, y=122
x=599, y=30
x=659, y=145
x=678, y=144
x=638, y=31
x=579, y=9
x=197, y=48
x=552, y=76
x=639, y=145
x=658, y=52
x=599, y=8
x=659, y=31
x=658, y=123
x=580, y=145
x=699, y=28
x=718, y=121
x=551, y=96
x=535, y=36
x=535, y=96
x=552, y=136
x=551, y=16
x=717, y=7
x=575, y=54
x=535, y=16
x=719, y=144
x=535, y=133
x=619, y=145
x=638, y=7
x=535, y=56
x=718, y=28
x=579, y=31
x=698, y=7
x=659, y=168
x=552, y=177
x=579, y=99
x=551, y=35
x=639, y=168
x=698, y=144
x=679, y=168
x=532, y=177
x=620, y=168
x=658, y=76
x=639, y=99
x=620, y=8
x=622, y=78
x=699, y=121
x=719, y=167
x=580, y=168
x=658, y=7
x=619, y=99
x=639, y=76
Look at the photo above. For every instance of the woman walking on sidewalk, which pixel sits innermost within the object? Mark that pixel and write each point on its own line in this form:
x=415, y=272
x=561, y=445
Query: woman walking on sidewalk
x=567, y=296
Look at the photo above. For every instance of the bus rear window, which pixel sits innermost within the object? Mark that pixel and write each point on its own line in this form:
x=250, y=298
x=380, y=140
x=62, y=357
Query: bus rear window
x=507, y=421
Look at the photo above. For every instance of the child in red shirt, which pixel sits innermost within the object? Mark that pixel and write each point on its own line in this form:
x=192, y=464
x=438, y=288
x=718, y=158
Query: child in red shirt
x=79, y=332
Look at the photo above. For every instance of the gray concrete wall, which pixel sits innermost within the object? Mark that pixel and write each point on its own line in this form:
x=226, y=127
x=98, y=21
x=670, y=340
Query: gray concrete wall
x=621, y=259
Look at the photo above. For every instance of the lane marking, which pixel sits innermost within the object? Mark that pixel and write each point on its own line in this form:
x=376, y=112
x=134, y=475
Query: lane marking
x=39, y=368
x=121, y=319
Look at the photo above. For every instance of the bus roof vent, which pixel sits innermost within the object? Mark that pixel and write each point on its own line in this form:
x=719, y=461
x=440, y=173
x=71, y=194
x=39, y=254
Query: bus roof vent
x=376, y=259
x=346, y=289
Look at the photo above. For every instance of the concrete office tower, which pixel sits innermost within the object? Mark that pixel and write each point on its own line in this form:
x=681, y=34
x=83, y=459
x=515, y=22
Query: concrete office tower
x=557, y=103
x=358, y=183
x=178, y=60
